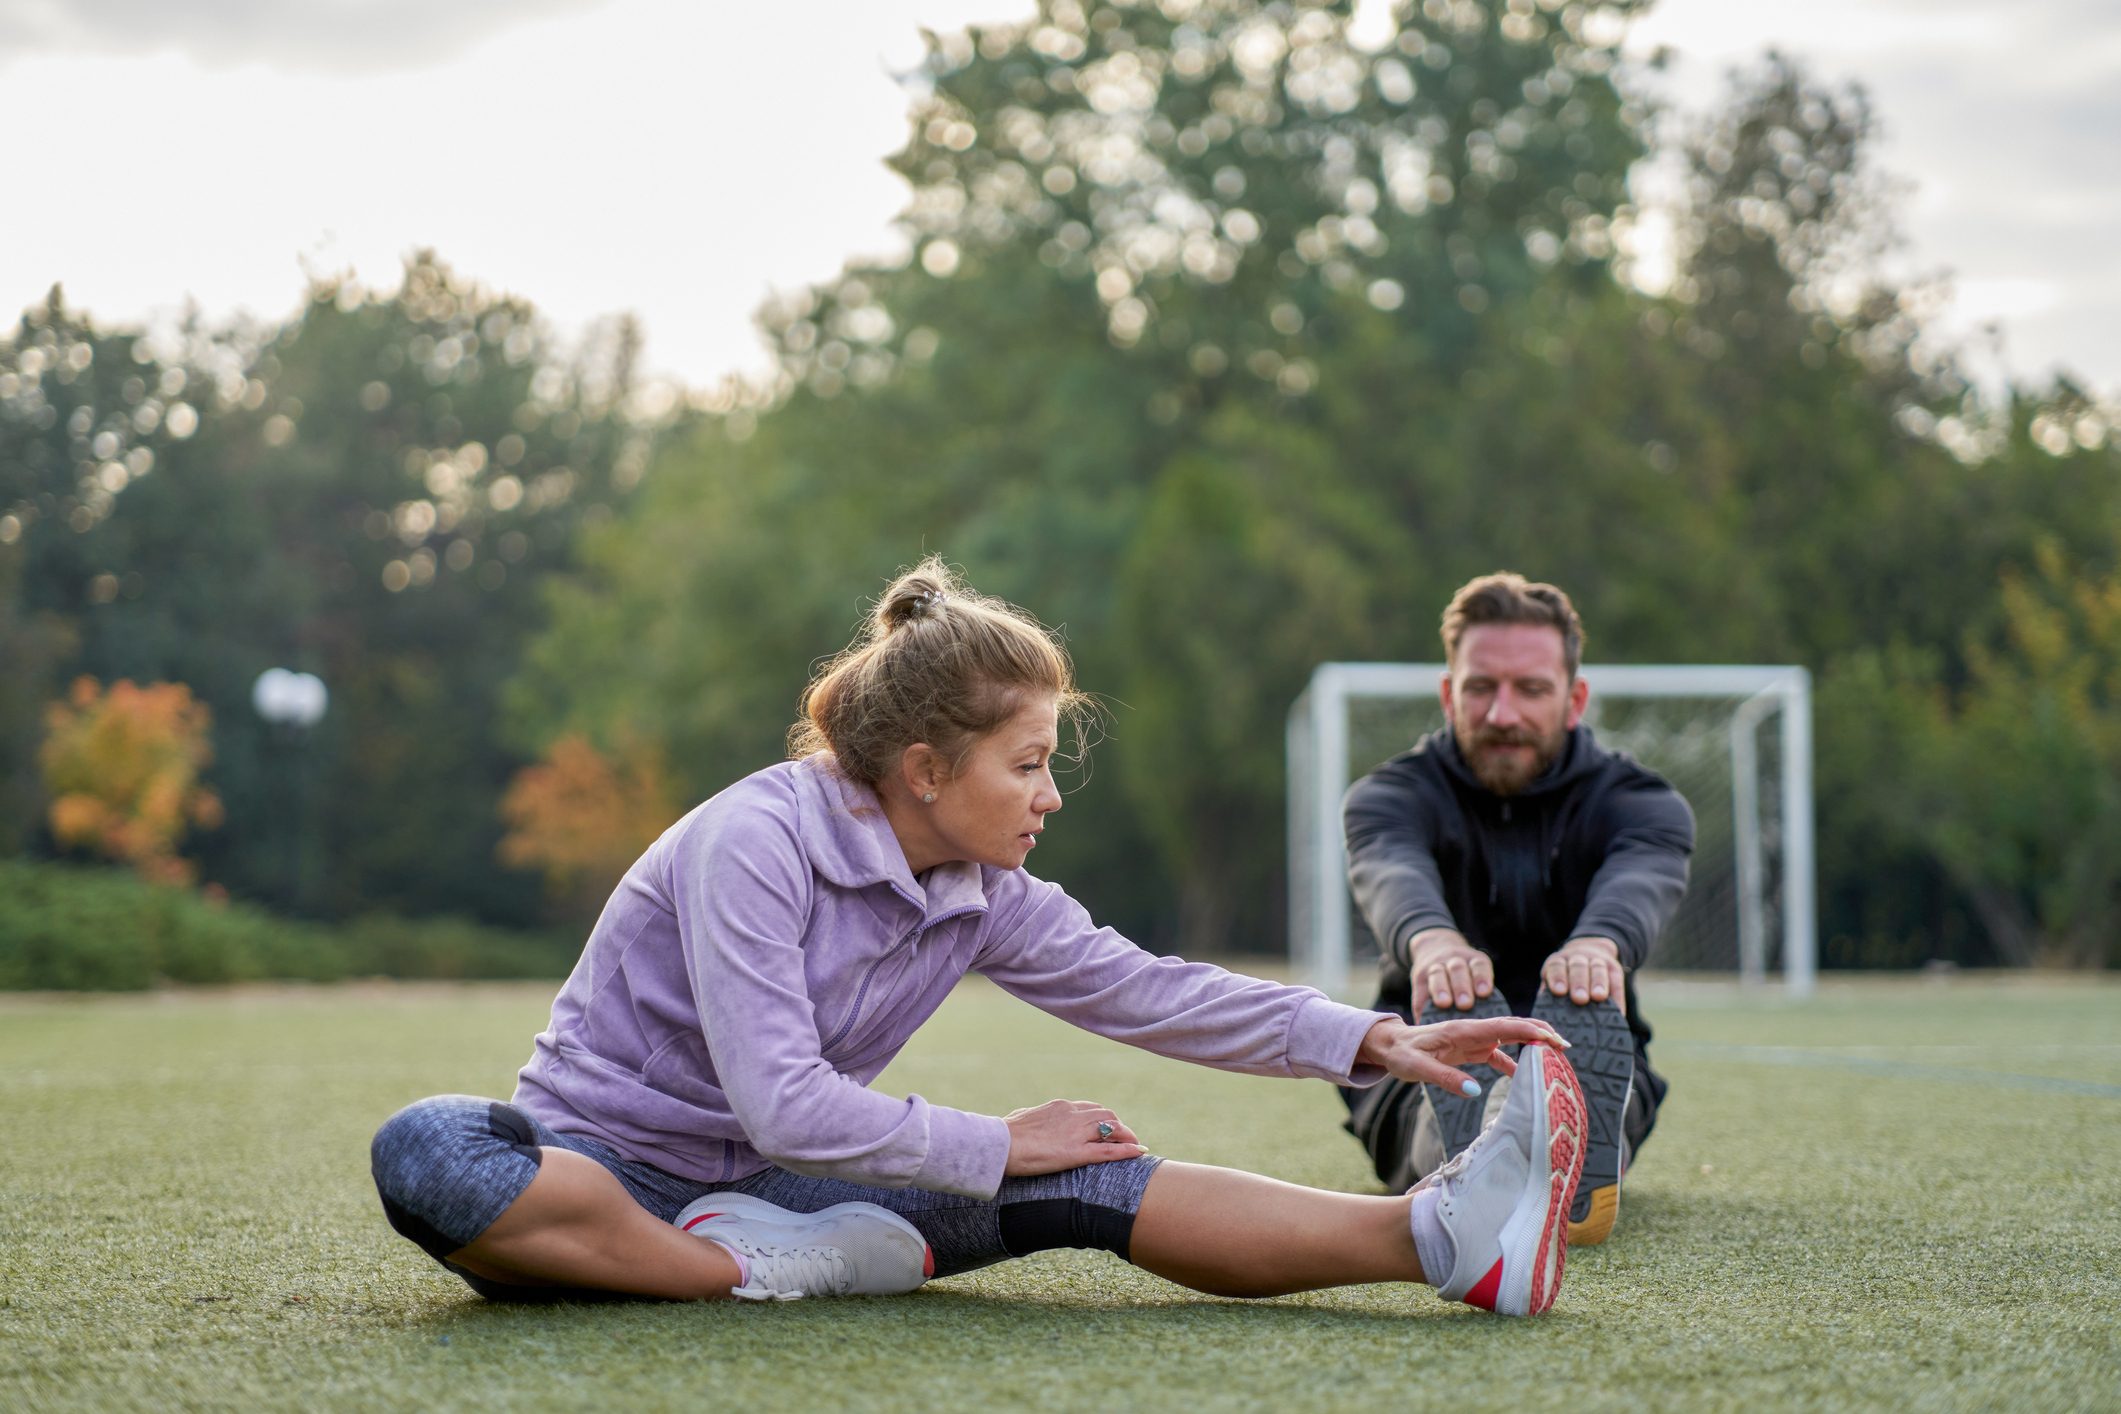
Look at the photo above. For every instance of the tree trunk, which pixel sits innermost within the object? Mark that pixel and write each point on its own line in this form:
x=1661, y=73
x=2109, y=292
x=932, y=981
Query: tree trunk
x=2009, y=929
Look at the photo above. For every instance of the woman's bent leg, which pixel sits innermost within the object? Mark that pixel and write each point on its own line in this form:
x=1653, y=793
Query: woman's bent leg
x=1237, y=1234
x=1215, y=1230
x=576, y=1225
x=491, y=1195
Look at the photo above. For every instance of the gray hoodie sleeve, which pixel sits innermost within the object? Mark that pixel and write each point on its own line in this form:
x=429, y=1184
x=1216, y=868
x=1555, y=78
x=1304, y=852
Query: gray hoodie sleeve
x=1637, y=889
x=1392, y=863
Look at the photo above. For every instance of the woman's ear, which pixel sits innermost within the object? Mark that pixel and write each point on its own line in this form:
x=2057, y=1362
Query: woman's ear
x=922, y=768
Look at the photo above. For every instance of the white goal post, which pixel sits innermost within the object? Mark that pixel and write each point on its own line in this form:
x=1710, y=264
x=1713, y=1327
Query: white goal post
x=1763, y=848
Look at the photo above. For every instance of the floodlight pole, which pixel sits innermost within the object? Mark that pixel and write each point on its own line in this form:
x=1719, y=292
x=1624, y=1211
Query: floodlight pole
x=291, y=704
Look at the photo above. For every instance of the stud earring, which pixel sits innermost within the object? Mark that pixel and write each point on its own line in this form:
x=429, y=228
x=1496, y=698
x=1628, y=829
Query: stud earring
x=928, y=799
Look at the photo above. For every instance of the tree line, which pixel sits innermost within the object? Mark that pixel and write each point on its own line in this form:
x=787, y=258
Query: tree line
x=1225, y=343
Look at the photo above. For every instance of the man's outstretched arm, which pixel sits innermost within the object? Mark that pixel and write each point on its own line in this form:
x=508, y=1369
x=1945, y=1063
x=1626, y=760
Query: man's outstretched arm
x=1393, y=874
x=1632, y=897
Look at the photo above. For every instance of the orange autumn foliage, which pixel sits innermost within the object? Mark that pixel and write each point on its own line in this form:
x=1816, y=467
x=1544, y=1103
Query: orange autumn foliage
x=582, y=818
x=122, y=770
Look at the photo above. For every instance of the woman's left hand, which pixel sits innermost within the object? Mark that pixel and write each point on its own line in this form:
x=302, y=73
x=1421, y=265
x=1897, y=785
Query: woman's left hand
x=1066, y=1134
x=1432, y=1054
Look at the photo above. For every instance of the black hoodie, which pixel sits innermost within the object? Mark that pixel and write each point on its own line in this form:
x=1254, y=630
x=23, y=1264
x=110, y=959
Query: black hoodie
x=1595, y=846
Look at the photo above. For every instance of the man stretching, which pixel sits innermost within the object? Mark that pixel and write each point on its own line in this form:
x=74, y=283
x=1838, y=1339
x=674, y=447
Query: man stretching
x=1508, y=863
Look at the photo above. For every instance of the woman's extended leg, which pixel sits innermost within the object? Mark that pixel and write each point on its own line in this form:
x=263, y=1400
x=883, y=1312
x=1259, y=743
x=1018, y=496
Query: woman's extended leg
x=1490, y=1227
x=1237, y=1234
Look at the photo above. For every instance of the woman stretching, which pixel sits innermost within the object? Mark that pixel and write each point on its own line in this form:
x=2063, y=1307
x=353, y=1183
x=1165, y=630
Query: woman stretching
x=695, y=1121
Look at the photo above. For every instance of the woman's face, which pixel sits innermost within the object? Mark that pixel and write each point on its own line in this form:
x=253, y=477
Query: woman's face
x=992, y=809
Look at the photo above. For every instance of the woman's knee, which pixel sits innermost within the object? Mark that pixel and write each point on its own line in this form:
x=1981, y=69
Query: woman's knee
x=447, y=1166
x=412, y=1142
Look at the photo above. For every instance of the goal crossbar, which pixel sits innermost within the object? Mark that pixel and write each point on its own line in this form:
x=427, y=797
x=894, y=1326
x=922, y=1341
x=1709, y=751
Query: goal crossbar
x=1319, y=773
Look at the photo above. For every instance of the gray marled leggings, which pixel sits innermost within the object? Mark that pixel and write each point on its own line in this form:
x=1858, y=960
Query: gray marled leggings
x=448, y=1166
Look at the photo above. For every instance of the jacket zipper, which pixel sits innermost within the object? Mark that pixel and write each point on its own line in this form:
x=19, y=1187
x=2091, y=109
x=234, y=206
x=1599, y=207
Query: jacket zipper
x=861, y=992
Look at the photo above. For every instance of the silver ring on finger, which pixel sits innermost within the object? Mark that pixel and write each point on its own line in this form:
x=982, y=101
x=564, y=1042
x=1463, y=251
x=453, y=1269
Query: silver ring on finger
x=1104, y=1131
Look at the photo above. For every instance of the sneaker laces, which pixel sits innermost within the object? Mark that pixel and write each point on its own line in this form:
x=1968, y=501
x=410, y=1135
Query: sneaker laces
x=1443, y=1179
x=1451, y=1169
x=787, y=1273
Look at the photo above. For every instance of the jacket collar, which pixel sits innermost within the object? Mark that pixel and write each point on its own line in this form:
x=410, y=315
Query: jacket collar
x=848, y=839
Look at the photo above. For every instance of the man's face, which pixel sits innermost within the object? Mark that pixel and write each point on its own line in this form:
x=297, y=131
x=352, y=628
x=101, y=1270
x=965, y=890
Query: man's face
x=1511, y=703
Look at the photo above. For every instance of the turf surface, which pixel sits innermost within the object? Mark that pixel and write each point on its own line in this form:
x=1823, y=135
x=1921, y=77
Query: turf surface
x=1899, y=1195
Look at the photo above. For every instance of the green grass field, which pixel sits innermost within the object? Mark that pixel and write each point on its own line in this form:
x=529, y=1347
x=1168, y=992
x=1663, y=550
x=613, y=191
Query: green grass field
x=1900, y=1195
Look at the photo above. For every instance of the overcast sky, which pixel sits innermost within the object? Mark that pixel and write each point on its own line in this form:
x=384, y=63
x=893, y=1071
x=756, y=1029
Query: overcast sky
x=679, y=158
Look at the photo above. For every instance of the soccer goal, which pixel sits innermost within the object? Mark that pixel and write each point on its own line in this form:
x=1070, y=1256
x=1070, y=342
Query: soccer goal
x=1699, y=726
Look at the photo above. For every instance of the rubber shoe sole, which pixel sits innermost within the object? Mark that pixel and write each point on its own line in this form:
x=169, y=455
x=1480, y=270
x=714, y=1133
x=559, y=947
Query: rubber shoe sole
x=1602, y=1051
x=1459, y=1119
x=1565, y=1150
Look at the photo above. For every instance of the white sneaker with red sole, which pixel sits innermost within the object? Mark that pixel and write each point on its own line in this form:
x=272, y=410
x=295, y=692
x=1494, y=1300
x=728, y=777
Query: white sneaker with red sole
x=1504, y=1202
x=850, y=1249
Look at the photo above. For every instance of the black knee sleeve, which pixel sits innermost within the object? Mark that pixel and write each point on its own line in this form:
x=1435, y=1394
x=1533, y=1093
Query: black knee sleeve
x=1041, y=1223
x=1092, y=1206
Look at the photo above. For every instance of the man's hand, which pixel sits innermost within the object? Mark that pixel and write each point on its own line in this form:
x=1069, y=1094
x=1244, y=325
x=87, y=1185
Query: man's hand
x=1448, y=970
x=1432, y=1054
x=1587, y=970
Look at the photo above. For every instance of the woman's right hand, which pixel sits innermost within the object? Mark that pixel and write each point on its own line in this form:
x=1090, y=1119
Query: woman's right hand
x=1432, y=1054
x=1063, y=1134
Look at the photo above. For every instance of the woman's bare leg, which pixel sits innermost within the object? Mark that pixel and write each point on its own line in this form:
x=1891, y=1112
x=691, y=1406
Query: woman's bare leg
x=576, y=1225
x=1237, y=1234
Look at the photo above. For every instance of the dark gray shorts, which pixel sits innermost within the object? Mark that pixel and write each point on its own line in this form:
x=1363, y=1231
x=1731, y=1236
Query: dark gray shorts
x=447, y=1167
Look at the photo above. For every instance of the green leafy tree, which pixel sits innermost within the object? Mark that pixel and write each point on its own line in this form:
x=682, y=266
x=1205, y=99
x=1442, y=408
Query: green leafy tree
x=2023, y=776
x=1223, y=342
x=374, y=491
x=1141, y=235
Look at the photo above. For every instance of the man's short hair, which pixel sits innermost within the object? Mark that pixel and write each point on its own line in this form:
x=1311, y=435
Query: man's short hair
x=1507, y=598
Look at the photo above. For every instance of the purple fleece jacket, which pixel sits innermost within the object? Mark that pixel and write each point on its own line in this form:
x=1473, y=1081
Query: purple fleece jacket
x=770, y=954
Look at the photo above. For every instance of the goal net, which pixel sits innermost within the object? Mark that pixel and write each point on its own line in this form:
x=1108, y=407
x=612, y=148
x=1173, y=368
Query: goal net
x=1735, y=741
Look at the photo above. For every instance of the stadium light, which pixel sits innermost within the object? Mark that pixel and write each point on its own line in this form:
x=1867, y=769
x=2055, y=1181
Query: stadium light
x=288, y=699
x=292, y=703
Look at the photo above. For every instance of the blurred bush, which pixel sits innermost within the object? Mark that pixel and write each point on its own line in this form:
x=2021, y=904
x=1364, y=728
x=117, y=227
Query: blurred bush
x=122, y=769
x=66, y=928
x=582, y=817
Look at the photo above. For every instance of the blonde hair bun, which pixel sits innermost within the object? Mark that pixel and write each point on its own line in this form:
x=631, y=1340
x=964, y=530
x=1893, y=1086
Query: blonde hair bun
x=937, y=663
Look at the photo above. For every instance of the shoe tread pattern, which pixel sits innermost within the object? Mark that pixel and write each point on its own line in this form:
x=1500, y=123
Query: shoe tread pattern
x=1458, y=1118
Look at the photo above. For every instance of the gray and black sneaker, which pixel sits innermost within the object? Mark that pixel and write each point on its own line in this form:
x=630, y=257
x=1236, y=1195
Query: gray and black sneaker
x=1602, y=1050
x=1459, y=1119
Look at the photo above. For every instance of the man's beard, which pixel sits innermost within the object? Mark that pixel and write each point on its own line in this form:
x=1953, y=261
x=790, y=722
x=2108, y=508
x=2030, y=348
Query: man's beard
x=1508, y=774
